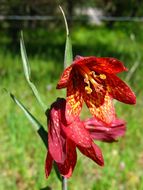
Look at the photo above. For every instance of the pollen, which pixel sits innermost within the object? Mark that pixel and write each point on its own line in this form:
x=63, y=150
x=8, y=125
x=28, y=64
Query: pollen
x=88, y=90
x=102, y=76
x=93, y=73
x=109, y=89
x=86, y=79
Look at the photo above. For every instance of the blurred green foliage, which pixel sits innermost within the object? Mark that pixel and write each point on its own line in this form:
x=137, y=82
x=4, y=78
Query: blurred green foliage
x=22, y=151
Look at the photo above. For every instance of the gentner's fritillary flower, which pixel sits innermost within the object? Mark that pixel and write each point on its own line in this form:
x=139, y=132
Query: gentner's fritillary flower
x=94, y=81
x=64, y=137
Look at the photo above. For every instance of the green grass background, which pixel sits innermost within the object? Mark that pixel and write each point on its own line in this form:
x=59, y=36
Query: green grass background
x=22, y=151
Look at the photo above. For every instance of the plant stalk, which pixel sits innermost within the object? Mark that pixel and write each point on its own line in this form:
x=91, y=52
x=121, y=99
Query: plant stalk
x=68, y=58
x=64, y=183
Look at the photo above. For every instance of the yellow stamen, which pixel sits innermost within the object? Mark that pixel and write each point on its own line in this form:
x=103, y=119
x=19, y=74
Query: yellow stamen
x=88, y=89
x=93, y=73
x=89, y=78
x=93, y=82
x=86, y=79
x=102, y=76
x=109, y=89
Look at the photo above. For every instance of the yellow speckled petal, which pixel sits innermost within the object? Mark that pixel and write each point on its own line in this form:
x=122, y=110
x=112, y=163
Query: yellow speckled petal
x=119, y=90
x=64, y=78
x=74, y=98
x=104, y=112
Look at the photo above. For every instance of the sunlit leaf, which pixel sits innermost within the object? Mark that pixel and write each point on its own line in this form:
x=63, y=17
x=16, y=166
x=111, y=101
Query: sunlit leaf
x=68, y=57
x=35, y=123
x=27, y=72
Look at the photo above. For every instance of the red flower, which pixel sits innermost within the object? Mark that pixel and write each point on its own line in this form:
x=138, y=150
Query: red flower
x=100, y=131
x=94, y=80
x=64, y=137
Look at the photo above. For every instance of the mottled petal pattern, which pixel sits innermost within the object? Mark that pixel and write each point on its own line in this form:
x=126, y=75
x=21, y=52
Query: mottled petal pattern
x=102, y=64
x=104, y=112
x=108, y=65
x=63, y=82
x=119, y=90
x=93, y=153
x=74, y=98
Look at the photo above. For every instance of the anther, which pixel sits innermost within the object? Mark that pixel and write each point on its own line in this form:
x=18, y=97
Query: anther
x=102, y=76
x=88, y=89
x=94, y=75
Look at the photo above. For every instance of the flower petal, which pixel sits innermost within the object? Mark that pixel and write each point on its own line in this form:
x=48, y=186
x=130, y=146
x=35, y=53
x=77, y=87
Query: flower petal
x=93, y=153
x=105, y=112
x=102, y=64
x=48, y=164
x=99, y=131
x=67, y=167
x=93, y=122
x=74, y=98
x=63, y=82
x=78, y=134
x=109, y=65
x=96, y=98
x=56, y=140
x=120, y=90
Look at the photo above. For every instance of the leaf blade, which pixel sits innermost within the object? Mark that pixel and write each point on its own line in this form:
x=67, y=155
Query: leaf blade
x=36, y=124
x=68, y=56
x=27, y=72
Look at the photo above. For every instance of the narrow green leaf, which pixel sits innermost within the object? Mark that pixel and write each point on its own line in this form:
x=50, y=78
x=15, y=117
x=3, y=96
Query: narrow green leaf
x=27, y=72
x=30, y=117
x=26, y=66
x=35, y=123
x=68, y=57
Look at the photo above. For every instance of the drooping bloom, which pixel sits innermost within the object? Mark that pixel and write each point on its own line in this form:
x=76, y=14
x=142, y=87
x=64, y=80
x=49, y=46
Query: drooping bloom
x=102, y=132
x=63, y=139
x=94, y=81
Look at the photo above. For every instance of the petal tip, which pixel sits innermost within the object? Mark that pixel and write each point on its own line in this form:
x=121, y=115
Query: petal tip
x=132, y=99
x=102, y=164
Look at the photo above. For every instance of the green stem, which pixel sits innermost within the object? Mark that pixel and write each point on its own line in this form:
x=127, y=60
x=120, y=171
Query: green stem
x=64, y=183
x=68, y=58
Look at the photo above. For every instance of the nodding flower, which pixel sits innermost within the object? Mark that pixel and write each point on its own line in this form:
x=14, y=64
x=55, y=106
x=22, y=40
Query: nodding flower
x=93, y=80
x=64, y=137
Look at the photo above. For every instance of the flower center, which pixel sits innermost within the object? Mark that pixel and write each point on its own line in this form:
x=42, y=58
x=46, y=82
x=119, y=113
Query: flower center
x=90, y=77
